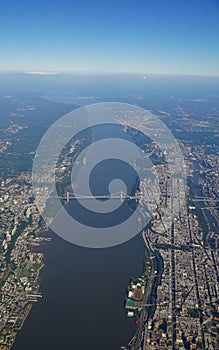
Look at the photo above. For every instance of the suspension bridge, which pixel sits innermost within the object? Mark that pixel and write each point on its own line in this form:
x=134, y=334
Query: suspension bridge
x=117, y=195
x=204, y=199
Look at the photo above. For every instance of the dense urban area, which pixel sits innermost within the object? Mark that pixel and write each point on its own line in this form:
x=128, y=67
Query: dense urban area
x=175, y=303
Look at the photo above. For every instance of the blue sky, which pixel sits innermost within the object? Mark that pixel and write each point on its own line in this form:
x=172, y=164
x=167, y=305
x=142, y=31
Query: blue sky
x=148, y=36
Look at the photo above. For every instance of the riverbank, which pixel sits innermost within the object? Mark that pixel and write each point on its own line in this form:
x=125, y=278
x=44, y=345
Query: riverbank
x=71, y=306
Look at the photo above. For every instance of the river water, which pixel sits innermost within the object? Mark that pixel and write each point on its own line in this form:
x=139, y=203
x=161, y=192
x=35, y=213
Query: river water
x=212, y=223
x=83, y=296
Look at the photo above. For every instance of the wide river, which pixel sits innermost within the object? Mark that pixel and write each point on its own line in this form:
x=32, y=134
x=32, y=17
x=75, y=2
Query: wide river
x=83, y=297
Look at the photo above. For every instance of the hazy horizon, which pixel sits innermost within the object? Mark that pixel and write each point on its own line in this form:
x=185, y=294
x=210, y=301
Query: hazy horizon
x=149, y=37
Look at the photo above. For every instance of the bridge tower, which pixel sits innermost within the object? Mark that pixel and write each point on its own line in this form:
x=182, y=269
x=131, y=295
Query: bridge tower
x=121, y=196
x=67, y=196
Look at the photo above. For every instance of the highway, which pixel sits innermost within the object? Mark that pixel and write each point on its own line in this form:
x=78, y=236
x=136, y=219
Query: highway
x=144, y=316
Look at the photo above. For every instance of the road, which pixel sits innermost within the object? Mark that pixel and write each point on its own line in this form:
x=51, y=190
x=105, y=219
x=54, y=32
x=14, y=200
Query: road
x=144, y=316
